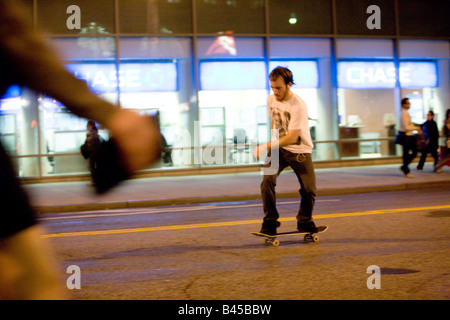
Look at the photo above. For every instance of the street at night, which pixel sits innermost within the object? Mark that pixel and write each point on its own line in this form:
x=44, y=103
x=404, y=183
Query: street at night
x=206, y=251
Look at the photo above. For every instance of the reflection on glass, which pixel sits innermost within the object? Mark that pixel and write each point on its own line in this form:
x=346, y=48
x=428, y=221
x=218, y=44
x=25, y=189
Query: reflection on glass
x=155, y=77
x=54, y=16
x=155, y=16
x=243, y=16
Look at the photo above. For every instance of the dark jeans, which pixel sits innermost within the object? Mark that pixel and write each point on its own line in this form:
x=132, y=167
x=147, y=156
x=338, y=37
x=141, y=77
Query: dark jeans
x=428, y=149
x=303, y=167
x=409, y=152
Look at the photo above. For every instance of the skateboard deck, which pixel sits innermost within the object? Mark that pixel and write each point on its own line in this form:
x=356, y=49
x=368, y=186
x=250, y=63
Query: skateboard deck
x=307, y=236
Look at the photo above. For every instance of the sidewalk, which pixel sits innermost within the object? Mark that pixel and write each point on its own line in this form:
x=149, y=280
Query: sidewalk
x=78, y=196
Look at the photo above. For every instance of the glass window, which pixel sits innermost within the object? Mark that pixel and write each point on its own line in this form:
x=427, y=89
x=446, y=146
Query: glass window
x=356, y=17
x=156, y=77
x=309, y=61
x=94, y=17
x=158, y=16
x=232, y=99
x=91, y=59
x=424, y=18
x=367, y=48
x=18, y=121
x=366, y=107
x=235, y=16
x=300, y=17
x=424, y=65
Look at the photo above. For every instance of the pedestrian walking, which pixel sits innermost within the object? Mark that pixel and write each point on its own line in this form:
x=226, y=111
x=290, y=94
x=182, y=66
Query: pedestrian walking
x=431, y=135
x=409, y=143
x=446, y=152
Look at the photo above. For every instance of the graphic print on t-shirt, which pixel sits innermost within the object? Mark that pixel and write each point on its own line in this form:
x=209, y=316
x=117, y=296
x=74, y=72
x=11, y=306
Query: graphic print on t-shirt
x=281, y=122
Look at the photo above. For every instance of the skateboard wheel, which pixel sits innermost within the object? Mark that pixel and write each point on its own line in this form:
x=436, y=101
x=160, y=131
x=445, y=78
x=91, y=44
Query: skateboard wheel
x=266, y=241
x=315, y=239
x=276, y=243
x=305, y=238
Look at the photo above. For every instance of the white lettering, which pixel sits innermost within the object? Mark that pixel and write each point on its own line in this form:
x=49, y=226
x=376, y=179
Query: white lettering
x=361, y=75
x=374, y=281
x=73, y=21
x=100, y=79
x=405, y=75
x=133, y=78
x=374, y=21
x=390, y=72
x=379, y=76
x=352, y=74
x=206, y=311
x=74, y=281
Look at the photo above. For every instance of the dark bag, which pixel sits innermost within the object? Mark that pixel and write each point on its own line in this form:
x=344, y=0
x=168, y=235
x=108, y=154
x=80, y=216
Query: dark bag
x=85, y=151
x=400, y=138
x=109, y=167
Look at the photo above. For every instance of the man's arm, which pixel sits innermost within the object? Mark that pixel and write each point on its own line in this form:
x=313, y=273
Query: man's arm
x=30, y=62
x=290, y=138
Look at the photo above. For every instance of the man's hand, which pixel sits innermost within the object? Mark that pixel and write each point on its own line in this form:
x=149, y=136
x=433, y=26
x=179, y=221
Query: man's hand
x=138, y=138
x=259, y=150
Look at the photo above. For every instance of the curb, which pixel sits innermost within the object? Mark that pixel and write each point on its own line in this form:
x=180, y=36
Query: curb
x=224, y=198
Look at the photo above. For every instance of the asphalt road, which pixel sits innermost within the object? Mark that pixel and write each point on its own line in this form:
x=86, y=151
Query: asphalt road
x=396, y=243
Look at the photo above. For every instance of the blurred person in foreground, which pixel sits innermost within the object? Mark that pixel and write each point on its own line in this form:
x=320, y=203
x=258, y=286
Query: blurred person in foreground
x=28, y=269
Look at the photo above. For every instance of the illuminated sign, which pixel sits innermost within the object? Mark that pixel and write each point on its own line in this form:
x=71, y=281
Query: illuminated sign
x=382, y=75
x=13, y=91
x=306, y=74
x=131, y=77
x=418, y=75
x=235, y=75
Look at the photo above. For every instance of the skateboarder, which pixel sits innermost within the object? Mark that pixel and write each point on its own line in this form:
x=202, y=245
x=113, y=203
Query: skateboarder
x=289, y=117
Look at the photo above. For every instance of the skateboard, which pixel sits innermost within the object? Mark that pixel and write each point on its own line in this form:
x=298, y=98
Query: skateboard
x=307, y=236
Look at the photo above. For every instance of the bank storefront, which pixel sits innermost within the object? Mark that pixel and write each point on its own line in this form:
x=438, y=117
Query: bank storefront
x=207, y=80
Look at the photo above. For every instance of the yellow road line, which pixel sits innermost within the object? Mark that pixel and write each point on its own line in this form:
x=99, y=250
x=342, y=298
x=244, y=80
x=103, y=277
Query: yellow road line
x=235, y=223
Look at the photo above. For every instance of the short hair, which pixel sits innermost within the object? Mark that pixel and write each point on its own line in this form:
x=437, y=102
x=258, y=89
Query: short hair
x=431, y=112
x=282, y=72
x=404, y=100
x=93, y=124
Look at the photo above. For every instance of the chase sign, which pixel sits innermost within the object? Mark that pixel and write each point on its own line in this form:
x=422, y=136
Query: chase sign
x=382, y=75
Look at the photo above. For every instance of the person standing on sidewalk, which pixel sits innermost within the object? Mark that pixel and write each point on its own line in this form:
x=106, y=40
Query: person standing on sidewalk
x=409, y=141
x=289, y=117
x=431, y=132
x=446, y=153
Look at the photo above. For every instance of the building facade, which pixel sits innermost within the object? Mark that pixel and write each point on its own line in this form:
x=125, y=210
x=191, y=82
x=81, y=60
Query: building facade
x=202, y=66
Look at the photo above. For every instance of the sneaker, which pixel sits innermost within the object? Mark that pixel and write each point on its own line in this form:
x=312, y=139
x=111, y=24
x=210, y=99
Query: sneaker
x=268, y=231
x=270, y=228
x=409, y=175
x=306, y=227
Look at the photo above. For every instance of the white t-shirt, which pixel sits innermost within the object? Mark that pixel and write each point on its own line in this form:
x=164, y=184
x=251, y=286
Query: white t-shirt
x=406, y=124
x=291, y=115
